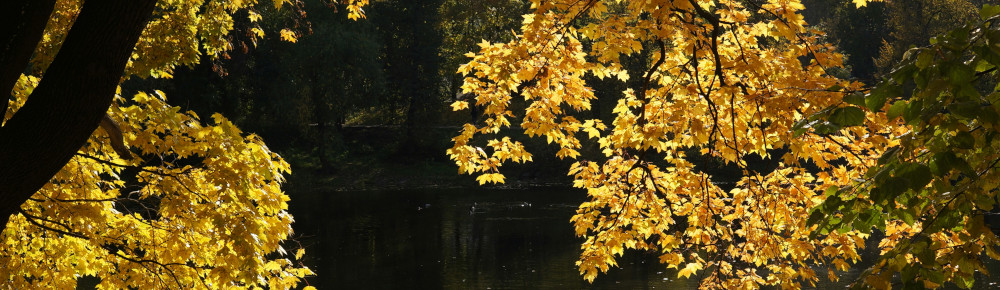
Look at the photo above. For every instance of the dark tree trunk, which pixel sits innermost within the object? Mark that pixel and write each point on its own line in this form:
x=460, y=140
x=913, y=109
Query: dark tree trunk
x=75, y=91
x=18, y=37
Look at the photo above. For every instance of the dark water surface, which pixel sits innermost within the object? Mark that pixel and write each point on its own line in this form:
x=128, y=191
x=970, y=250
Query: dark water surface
x=467, y=239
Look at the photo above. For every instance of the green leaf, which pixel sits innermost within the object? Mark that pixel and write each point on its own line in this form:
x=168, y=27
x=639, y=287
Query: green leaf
x=964, y=167
x=984, y=202
x=983, y=65
x=938, y=168
x=989, y=11
x=896, y=109
x=849, y=217
x=968, y=91
x=864, y=222
x=968, y=109
x=988, y=115
x=946, y=161
x=904, y=215
x=848, y=116
x=815, y=217
x=925, y=255
x=875, y=101
x=960, y=74
x=965, y=282
x=825, y=128
x=833, y=203
x=888, y=155
x=801, y=126
x=799, y=131
x=855, y=99
x=987, y=54
x=893, y=187
x=844, y=228
x=934, y=276
x=924, y=59
x=902, y=73
x=963, y=140
x=909, y=275
x=831, y=191
x=917, y=175
x=913, y=110
x=957, y=39
x=877, y=97
x=834, y=221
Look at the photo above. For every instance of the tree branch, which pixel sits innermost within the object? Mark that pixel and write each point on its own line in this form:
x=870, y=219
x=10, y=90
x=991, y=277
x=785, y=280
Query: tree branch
x=17, y=41
x=65, y=108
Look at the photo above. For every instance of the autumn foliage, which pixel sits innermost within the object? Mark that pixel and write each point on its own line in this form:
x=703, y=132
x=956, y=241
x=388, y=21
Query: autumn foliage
x=727, y=81
x=196, y=203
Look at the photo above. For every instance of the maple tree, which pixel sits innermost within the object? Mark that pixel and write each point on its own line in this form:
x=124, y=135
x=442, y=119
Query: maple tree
x=155, y=197
x=736, y=81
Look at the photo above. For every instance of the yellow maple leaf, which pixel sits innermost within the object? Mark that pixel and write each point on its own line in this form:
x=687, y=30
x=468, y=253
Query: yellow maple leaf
x=288, y=35
x=863, y=3
x=459, y=105
x=689, y=270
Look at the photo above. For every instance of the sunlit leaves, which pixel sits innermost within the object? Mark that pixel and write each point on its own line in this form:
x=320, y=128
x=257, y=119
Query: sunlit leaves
x=718, y=80
x=689, y=270
x=863, y=3
x=355, y=9
x=198, y=205
x=490, y=177
x=288, y=35
x=459, y=105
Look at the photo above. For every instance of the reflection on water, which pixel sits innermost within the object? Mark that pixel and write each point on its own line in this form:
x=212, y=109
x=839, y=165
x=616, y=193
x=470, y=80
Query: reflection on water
x=457, y=239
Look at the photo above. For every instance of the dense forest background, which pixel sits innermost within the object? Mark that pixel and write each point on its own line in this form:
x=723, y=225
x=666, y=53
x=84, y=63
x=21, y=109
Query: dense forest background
x=364, y=104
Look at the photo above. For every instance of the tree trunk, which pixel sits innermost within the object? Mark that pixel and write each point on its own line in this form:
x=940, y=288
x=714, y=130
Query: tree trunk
x=18, y=41
x=75, y=91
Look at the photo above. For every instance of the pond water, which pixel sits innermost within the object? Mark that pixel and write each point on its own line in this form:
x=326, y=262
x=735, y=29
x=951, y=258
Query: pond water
x=467, y=239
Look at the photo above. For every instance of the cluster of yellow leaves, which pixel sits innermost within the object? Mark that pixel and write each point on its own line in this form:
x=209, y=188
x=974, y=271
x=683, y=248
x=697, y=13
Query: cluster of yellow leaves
x=724, y=80
x=289, y=35
x=500, y=69
x=354, y=9
x=179, y=33
x=200, y=204
x=200, y=207
x=863, y=3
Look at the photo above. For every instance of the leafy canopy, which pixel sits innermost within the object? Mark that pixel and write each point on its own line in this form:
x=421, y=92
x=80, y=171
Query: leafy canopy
x=936, y=184
x=730, y=81
x=197, y=205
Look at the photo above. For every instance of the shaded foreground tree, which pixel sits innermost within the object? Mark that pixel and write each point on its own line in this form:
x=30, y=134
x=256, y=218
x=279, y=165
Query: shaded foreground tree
x=736, y=81
x=189, y=205
x=932, y=193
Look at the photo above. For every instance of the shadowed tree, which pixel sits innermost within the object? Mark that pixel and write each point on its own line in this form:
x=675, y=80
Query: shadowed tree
x=75, y=92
